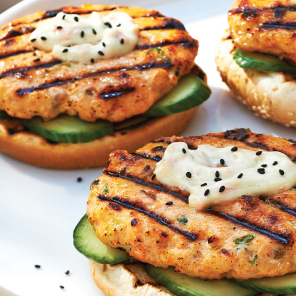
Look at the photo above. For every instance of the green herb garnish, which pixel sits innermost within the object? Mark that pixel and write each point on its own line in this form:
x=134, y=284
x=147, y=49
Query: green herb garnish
x=106, y=190
x=254, y=259
x=182, y=220
x=244, y=239
x=159, y=51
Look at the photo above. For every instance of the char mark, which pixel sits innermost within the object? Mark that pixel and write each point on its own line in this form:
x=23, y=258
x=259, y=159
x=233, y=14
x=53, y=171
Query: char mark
x=147, y=184
x=184, y=43
x=62, y=82
x=284, y=208
x=168, y=24
x=251, y=12
x=14, y=54
x=116, y=93
x=278, y=25
x=158, y=218
x=21, y=71
x=280, y=237
x=155, y=158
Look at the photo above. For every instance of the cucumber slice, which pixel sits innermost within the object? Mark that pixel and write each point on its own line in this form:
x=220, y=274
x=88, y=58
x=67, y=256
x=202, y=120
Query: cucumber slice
x=285, y=284
x=3, y=115
x=190, y=92
x=183, y=285
x=261, y=62
x=69, y=129
x=87, y=243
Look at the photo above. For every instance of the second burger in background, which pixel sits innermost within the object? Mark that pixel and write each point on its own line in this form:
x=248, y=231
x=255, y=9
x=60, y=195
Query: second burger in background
x=80, y=82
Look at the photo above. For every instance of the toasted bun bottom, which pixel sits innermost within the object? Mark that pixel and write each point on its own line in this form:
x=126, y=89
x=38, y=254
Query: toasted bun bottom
x=130, y=280
x=269, y=94
x=31, y=148
x=125, y=280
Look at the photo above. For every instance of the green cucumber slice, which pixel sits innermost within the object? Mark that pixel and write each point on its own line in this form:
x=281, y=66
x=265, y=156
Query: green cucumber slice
x=3, y=115
x=190, y=92
x=183, y=285
x=285, y=284
x=69, y=129
x=261, y=62
x=87, y=243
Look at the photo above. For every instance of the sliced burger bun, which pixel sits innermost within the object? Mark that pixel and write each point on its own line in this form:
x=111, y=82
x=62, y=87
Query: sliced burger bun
x=269, y=94
x=18, y=143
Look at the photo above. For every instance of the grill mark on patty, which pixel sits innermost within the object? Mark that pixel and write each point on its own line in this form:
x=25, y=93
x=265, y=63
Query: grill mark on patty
x=14, y=54
x=61, y=82
x=256, y=11
x=21, y=70
x=158, y=218
x=280, y=237
x=147, y=184
x=143, y=155
x=278, y=25
x=116, y=93
x=184, y=43
x=52, y=13
x=283, y=207
x=167, y=24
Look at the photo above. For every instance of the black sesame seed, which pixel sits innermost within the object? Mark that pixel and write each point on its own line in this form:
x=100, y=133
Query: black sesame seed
x=188, y=175
x=169, y=203
x=222, y=161
x=94, y=31
x=104, y=44
x=37, y=266
x=108, y=25
x=59, y=27
x=233, y=149
x=153, y=177
x=82, y=34
x=282, y=172
x=258, y=153
x=76, y=19
x=62, y=287
x=118, y=25
x=100, y=53
x=64, y=16
x=184, y=150
x=67, y=272
x=34, y=54
x=37, y=60
x=92, y=60
x=65, y=50
x=122, y=41
x=43, y=38
x=217, y=174
x=203, y=184
x=217, y=179
x=79, y=179
x=264, y=165
x=261, y=171
x=240, y=175
x=33, y=40
x=222, y=188
x=207, y=192
x=275, y=163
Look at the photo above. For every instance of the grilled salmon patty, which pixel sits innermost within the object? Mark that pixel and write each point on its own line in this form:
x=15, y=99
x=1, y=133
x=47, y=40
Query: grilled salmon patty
x=265, y=26
x=34, y=82
x=130, y=209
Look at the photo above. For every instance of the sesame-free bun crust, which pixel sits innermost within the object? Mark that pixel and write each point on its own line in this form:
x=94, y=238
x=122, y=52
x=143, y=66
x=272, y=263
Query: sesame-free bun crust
x=33, y=149
x=125, y=280
x=269, y=94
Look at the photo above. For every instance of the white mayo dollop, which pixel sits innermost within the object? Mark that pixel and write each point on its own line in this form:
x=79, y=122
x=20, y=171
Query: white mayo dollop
x=72, y=37
x=244, y=172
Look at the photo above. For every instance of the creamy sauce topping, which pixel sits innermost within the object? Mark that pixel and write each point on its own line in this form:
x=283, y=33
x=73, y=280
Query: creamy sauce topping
x=215, y=176
x=72, y=37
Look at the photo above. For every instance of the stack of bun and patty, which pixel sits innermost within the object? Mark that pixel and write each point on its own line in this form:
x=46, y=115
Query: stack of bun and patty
x=143, y=238
x=72, y=114
x=257, y=59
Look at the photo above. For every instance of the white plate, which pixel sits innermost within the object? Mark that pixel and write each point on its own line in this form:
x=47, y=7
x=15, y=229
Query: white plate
x=39, y=208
